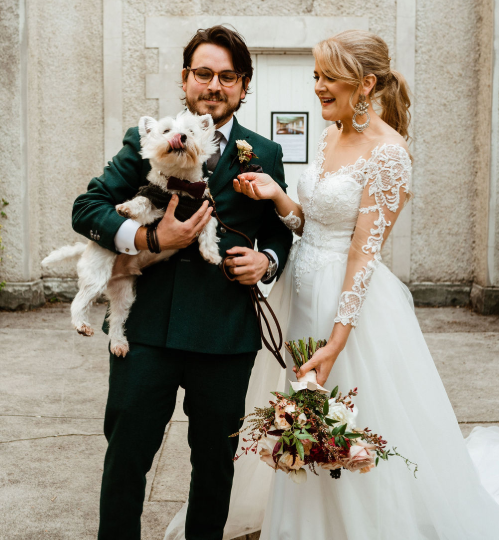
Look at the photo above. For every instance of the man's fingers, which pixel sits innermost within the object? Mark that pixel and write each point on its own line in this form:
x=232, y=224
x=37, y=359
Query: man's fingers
x=236, y=185
x=204, y=221
x=170, y=210
x=197, y=217
x=238, y=250
x=241, y=261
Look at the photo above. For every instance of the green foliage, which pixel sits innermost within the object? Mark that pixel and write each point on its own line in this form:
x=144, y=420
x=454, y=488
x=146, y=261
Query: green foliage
x=302, y=351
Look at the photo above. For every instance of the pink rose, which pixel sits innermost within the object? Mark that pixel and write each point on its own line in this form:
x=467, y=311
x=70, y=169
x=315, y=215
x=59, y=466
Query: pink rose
x=331, y=466
x=360, y=457
x=289, y=462
x=281, y=409
x=267, y=458
x=307, y=446
x=267, y=445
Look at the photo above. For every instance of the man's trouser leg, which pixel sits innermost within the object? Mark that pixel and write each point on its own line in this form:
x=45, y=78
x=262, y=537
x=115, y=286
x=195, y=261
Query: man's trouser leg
x=216, y=387
x=142, y=394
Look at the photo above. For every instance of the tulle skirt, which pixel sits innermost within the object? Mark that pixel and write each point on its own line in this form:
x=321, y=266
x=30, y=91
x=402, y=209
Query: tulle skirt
x=400, y=397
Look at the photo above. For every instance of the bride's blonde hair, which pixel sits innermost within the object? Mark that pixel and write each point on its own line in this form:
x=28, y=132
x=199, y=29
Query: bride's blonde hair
x=353, y=54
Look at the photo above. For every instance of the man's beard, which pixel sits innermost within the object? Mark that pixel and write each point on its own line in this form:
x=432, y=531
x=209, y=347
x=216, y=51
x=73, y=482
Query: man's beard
x=227, y=111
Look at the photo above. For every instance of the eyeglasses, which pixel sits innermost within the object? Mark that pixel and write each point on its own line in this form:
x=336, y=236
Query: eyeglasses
x=204, y=75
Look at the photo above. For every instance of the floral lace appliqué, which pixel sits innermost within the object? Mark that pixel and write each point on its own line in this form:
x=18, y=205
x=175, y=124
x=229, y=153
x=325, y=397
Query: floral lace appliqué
x=387, y=171
x=292, y=222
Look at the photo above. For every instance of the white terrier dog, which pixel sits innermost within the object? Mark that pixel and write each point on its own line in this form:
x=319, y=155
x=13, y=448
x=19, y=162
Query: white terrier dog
x=176, y=148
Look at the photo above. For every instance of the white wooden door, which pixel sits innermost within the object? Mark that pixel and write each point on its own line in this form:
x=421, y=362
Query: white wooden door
x=283, y=83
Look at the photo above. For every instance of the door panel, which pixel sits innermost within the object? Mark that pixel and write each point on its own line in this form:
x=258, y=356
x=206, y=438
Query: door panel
x=283, y=83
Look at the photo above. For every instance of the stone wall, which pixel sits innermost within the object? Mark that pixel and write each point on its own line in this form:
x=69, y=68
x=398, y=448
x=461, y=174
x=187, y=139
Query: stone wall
x=13, y=141
x=53, y=123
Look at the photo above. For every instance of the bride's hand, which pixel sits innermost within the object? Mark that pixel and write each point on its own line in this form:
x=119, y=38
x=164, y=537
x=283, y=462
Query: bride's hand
x=322, y=361
x=257, y=186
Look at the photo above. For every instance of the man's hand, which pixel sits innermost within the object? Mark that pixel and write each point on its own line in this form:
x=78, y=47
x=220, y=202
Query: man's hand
x=249, y=267
x=175, y=234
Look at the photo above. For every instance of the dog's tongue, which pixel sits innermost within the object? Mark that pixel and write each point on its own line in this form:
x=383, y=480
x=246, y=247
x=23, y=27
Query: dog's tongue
x=175, y=142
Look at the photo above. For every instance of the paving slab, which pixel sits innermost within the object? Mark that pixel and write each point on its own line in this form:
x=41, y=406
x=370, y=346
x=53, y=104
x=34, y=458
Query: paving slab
x=52, y=398
x=455, y=319
x=156, y=517
x=468, y=364
x=171, y=482
x=52, y=373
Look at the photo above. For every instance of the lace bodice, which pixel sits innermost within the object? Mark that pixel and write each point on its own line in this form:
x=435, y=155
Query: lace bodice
x=331, y=204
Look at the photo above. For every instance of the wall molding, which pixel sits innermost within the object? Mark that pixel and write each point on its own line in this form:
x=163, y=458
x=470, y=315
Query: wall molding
x=405, y=56
x=113, y=77
x=484, y=300
x=492, y=249
x=23, y=118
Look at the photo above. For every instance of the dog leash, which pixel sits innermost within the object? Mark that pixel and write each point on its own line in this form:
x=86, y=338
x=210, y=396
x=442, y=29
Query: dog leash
x=257, y=298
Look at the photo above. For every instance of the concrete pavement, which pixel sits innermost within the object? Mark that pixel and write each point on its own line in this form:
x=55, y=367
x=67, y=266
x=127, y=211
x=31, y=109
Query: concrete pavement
x=53, y=391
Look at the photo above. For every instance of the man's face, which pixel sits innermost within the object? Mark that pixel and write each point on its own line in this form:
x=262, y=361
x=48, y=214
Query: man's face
x=212, y=98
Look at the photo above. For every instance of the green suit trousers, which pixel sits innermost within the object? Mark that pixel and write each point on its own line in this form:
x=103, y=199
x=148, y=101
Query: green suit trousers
x=142, y=395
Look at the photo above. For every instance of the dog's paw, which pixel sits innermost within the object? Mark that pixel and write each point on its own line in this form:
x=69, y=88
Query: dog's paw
x=119, y=348
x=124, y=210
x=212, y=257
x=85, y=330
x=215, y=259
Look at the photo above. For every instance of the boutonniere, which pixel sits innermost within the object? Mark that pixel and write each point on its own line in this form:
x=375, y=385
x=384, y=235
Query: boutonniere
x=244, y=155
x=245, y=152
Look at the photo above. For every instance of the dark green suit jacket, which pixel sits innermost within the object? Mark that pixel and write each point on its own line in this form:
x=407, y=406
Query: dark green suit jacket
x=186, y=303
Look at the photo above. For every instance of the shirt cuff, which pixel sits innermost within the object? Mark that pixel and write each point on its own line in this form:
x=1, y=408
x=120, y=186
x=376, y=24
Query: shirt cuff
x=124, y=239
x=272, y=252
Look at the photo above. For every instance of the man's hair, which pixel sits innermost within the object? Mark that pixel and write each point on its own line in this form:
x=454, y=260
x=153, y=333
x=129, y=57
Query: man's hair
x=226, y=38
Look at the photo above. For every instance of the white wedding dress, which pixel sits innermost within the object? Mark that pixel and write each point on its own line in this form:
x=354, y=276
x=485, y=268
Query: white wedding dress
x=400, y=395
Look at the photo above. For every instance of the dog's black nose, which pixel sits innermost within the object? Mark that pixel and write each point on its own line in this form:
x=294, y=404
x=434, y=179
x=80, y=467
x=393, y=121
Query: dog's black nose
x=183, y=138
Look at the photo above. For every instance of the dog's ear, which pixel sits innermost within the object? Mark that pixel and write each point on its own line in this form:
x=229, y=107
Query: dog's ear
x=146, y=123
x=206, y=121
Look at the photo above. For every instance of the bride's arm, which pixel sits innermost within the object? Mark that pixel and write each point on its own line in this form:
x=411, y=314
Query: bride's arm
x=261, y=186
x=383, y=198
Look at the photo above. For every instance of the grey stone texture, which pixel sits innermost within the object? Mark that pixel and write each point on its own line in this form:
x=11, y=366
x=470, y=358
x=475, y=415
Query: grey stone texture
x=52, y=399
x=52, y=122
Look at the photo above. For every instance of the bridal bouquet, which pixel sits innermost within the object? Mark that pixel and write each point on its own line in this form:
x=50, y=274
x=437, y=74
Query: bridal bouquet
x=313, y=427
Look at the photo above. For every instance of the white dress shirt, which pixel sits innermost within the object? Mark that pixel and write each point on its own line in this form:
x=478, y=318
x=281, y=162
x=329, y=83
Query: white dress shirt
x=124, y=240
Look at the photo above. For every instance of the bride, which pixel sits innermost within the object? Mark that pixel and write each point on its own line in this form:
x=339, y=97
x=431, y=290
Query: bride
x=336, y=285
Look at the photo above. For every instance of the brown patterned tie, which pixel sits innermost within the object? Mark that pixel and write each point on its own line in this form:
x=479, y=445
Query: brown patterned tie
x=214, y=158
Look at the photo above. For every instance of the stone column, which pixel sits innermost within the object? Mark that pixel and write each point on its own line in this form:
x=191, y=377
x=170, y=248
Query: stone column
x=18, y=269
x=485, y=289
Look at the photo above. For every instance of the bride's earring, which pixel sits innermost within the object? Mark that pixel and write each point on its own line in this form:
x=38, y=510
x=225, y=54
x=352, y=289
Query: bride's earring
x=361, y=109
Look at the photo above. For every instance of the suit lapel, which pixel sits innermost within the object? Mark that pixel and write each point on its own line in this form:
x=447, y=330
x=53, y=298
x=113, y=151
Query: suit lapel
x=228, y=166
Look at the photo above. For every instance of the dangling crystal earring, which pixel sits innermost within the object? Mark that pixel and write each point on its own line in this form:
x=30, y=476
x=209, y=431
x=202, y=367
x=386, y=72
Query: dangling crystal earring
x=361, y=109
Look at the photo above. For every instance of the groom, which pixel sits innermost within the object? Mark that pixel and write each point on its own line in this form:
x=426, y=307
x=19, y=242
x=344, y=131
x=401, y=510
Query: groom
x=189, y=326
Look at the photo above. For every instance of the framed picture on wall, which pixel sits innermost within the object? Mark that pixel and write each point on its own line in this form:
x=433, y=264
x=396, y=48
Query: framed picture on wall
x=290, y=130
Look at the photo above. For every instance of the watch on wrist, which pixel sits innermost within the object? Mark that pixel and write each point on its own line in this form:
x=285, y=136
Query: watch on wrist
x=272, y=269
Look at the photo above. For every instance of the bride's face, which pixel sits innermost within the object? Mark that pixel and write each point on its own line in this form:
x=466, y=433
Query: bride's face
x=334, y=96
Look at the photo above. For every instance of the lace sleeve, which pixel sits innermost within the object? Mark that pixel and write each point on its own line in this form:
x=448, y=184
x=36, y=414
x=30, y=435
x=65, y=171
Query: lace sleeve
x=292, y=222
x=386, y=190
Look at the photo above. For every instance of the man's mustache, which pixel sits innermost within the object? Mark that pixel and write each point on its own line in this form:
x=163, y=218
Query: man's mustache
x=215, y=96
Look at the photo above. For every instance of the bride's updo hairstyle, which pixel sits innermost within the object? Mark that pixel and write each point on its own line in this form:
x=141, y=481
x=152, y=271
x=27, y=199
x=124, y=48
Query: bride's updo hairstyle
x=353, y=54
